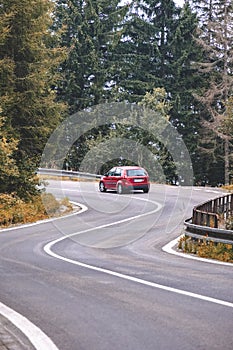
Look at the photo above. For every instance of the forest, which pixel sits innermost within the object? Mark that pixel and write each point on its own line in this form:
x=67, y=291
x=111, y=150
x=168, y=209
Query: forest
x=61, y=57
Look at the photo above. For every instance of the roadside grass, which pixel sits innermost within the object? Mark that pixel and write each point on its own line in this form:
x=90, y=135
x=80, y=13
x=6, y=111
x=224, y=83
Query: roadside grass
x=229, y=223
x=16, y=211
x=206, y=249
x=228, y=188
x=65, y=178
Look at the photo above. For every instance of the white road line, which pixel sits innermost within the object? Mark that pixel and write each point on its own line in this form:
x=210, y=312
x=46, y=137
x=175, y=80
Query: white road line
x=48, y=250
x=37, y=338
x=63, y=189
x=158, y=205
x=210, y=191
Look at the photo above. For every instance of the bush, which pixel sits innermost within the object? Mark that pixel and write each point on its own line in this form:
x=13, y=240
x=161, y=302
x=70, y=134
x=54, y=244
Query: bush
x=207, y=249
x=217, y=251
x=50, y=203
x=229, y=223
x=16, y=211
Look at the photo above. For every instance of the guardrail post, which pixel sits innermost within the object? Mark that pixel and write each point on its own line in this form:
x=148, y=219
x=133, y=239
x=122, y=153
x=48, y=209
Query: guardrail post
x=194, y=217
x=231, y=204
x=215, y=205
x=228, y=206
x=204, y=223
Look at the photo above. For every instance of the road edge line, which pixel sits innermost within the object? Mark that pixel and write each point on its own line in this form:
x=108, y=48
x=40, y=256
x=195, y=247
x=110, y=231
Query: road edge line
x=34, y=334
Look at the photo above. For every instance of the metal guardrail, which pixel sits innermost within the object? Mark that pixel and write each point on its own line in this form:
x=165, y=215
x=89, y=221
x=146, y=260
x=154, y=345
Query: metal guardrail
x=208, y=218
x=69, y=173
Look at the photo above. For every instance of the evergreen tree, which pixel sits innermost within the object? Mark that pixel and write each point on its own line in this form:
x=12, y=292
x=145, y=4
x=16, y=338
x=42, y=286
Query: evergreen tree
x=163, y=14
x=161, y=44
x=158, y=102
x=229, y=116
x=8, y=169
x=135, y=56
x=184, y=81
x=145, y=49
x=27, y=69
x=90, y=30
x=133, y=143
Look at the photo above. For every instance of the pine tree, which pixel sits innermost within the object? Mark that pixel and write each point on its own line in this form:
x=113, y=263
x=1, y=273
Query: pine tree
x=135, y=56
x=27, y=67
x=163, y=14
x=184, y=80
x=145, y=49
x=8, y=145
x=90, y=30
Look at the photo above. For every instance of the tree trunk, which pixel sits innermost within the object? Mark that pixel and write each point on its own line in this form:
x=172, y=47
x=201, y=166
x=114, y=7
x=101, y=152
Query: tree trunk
x=226, y=146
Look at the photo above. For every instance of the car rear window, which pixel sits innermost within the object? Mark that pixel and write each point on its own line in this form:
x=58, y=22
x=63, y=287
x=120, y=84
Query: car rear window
x=136, y=172
x=118, y=172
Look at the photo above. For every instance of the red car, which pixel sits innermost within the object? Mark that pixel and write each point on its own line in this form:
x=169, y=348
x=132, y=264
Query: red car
x=124, y=179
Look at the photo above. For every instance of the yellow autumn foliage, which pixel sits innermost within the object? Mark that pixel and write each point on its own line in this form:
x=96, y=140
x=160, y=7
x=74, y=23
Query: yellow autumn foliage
x=14, y=210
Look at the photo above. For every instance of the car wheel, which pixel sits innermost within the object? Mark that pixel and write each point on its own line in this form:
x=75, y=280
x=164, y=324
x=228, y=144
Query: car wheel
x=146, y=190
x=120, y=189
x=102, y=187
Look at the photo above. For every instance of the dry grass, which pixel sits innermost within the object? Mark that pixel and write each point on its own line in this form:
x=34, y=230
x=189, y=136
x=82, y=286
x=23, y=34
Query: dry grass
x=15, y=211
x=65, y=178
x=207, y=249
x=228, y=188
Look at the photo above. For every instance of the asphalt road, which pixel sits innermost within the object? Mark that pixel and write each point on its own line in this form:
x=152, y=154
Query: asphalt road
x=100, y=280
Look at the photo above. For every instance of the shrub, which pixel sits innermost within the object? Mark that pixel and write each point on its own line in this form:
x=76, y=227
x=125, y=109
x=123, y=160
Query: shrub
x=229, y=223
x=16, y=211
x=50, y=203
x=207, y=249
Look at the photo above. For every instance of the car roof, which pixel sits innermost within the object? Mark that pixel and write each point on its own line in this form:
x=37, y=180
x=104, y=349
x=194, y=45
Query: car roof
x=129, y=167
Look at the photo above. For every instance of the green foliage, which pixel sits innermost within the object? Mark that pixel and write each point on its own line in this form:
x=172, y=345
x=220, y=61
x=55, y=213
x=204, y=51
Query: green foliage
x=229, y=116
x=144, y=52
x=158, y=102
x=33, y=112
x=219, y=251
x=127, y=143
x=135, y=56
x=184, y=81
x=28, y=65
x=8, y=168
x=90, y=30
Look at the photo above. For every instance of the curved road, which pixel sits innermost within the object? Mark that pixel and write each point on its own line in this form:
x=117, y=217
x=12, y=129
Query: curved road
x=100, y=280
